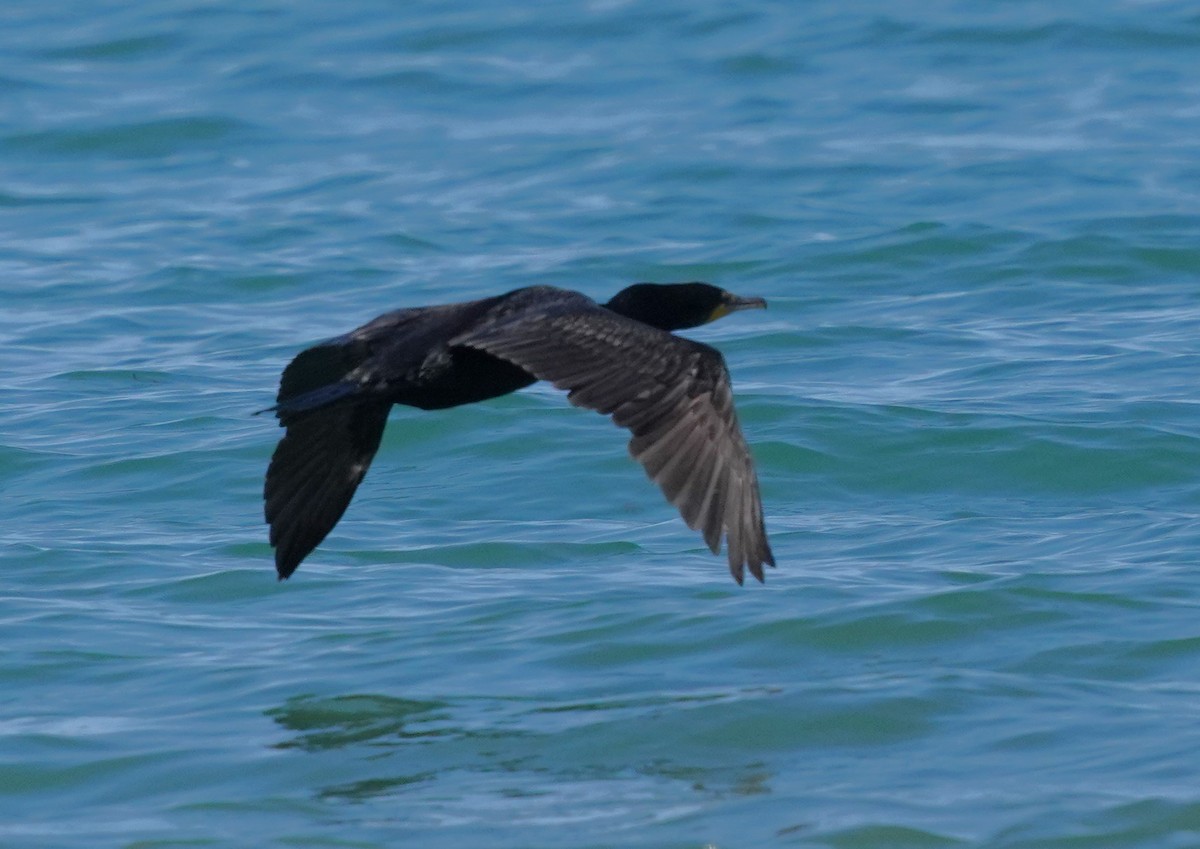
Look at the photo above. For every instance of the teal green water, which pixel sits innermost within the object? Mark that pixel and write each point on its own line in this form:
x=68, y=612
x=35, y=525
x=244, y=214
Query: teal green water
x=973, y=404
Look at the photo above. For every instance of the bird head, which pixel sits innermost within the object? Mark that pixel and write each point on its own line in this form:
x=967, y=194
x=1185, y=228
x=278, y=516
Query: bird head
x=677, y=306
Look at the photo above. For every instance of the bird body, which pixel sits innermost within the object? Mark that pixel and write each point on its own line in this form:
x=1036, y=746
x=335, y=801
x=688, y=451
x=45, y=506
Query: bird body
x=619, y=359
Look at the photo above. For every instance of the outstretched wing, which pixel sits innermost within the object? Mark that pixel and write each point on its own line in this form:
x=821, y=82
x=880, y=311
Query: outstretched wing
x=314, y=472
x=673, y=394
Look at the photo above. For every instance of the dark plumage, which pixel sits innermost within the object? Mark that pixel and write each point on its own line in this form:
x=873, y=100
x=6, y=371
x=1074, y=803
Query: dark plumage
x=620, y=359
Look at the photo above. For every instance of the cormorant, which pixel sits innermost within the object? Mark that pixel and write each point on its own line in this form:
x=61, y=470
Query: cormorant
x=620, y=359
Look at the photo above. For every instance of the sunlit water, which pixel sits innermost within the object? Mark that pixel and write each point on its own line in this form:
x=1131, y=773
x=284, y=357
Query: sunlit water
x=972, y=402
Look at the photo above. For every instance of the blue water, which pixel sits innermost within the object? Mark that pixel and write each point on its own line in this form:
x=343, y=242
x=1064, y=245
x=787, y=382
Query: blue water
x=972, y=401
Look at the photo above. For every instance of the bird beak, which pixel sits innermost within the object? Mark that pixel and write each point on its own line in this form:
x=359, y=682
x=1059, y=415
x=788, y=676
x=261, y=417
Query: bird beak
x=733, y=303
x=736, y=303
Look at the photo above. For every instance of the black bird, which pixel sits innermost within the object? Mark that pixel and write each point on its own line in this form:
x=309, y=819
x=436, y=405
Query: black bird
x=620, y=359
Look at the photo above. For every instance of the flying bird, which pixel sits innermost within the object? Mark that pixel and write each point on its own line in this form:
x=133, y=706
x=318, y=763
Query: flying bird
x=620, y=359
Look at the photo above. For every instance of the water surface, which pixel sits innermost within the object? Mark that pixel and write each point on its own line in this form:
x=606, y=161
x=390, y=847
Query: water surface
x=972, y=403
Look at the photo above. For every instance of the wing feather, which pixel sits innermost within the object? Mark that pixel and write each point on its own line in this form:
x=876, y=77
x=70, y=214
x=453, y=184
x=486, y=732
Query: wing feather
x=673, y=395
x=314, y=472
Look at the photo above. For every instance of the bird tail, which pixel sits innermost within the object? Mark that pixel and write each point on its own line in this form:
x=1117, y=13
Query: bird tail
x=318, y=377
x=333, y=432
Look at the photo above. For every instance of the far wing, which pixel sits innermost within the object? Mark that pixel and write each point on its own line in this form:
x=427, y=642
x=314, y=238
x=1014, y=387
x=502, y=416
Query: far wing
x=673, y=394
x=314, y=472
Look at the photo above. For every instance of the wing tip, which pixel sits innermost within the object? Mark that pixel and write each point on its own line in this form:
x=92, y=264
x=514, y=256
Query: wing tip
x=752, y=562
x=286, y=562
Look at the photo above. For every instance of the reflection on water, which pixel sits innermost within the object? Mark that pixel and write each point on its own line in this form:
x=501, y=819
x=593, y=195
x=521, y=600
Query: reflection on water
x=472, y=759
x=349, y=720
